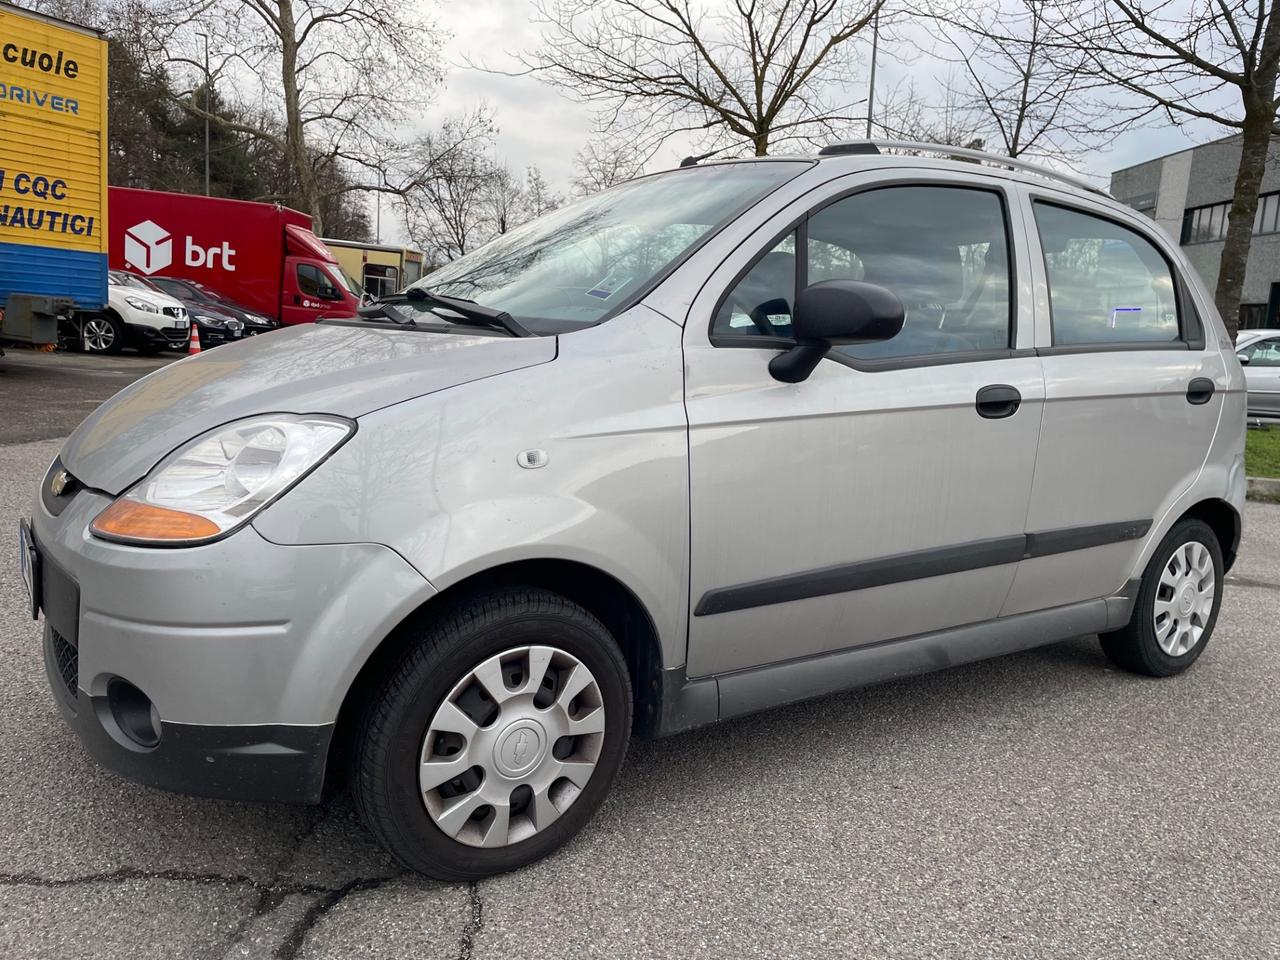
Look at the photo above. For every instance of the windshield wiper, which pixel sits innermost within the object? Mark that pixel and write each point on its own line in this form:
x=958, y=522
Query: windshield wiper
x=383, y=309
x=470, y=312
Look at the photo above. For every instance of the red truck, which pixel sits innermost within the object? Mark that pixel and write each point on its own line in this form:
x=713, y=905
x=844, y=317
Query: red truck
x=259, y=254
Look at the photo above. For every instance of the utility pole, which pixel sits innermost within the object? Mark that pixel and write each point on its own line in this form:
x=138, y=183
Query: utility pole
x=208, y=96
x=871, y=87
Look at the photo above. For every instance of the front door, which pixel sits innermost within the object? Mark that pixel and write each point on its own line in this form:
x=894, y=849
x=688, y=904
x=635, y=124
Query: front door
x=879, y=498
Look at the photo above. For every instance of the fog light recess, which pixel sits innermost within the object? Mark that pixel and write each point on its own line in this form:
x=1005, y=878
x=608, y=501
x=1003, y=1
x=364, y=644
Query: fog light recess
x=133, y=712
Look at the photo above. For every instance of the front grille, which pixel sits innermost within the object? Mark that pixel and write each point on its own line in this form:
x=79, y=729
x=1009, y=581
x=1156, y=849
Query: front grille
x=176, y=335
x=175, y=311
x=67, y=659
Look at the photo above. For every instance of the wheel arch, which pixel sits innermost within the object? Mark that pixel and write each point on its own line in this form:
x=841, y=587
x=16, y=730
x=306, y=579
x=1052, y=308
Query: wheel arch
x=600, y=593
x=1224, y=519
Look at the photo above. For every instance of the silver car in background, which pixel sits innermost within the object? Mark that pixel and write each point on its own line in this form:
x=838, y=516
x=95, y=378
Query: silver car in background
x=1259, y=353
x=714, y=440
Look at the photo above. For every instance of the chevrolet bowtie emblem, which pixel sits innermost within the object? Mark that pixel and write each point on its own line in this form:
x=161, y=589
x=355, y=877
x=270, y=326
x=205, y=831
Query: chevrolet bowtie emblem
x=58, y=485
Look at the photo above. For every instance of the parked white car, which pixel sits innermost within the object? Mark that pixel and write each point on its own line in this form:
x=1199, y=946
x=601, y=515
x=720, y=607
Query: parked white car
x=1259, y=351
x=137, y=315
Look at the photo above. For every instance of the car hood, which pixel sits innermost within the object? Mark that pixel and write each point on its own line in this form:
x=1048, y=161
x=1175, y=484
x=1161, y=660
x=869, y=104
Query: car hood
x=343, y=369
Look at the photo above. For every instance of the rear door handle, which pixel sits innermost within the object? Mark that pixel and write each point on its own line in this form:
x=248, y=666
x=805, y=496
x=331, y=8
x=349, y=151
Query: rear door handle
x=1199, y=390
x=998, y=401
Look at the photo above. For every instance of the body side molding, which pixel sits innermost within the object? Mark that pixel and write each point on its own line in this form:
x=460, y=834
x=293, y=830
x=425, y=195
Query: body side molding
x=901, y=567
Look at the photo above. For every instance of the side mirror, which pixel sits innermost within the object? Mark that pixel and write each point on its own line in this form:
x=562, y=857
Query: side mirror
x=1243, y=358
x=836, y=312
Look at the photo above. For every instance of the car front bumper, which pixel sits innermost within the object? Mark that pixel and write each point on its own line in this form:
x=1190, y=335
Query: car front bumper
x=241, y=650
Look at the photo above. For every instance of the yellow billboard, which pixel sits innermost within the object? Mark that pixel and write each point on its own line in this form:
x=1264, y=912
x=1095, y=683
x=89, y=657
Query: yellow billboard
x=53, y=156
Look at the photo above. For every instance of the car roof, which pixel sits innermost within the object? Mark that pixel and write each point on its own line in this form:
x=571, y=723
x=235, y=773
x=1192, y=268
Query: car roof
x=1256, y=334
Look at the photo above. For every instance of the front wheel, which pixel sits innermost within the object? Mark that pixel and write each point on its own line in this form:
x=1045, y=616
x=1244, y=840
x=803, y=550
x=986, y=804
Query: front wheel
x=1177, y=605
x=496, y=737
x=103, y=333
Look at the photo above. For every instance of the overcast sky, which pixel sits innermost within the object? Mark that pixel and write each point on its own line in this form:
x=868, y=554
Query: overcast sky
x=537, y=125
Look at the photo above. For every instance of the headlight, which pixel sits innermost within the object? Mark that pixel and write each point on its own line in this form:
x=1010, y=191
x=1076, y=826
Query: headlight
x=211, y=321
x=217, y=482
x=139, y=304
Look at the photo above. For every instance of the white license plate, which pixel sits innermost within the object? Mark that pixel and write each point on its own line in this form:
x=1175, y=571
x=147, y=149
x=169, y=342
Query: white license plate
x=29, y=567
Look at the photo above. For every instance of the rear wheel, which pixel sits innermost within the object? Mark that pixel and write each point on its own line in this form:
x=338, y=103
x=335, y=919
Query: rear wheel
x=103, y=333
x=496, y=737
x=1177, y=605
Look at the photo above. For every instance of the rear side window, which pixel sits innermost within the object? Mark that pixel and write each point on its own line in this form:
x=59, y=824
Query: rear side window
x=1107, y=284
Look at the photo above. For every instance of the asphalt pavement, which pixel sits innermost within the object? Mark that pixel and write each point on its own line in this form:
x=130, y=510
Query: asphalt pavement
x=1039, y=805
x=45, y=395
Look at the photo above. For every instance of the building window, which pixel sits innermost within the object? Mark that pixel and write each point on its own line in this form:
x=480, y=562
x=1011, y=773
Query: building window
x=1206, y=224
x=1253, y=316
x=1265, y=219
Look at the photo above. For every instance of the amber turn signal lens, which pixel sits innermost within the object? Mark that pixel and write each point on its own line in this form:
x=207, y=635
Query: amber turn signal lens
x=141, y=522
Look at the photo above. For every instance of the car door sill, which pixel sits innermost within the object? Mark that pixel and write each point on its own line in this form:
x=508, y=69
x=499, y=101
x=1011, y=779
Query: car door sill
x=692, y=702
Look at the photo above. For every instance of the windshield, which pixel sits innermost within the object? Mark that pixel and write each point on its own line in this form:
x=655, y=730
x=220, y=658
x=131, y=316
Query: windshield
x=348, y=281
x=574, y=266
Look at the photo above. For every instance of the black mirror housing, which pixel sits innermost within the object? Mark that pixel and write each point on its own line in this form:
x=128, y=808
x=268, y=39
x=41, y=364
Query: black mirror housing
x=836, y=312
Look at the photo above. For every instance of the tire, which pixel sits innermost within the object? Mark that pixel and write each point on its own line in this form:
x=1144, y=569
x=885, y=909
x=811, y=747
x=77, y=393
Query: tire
x=1172, y=624
x=103, y=333
x=406, y=727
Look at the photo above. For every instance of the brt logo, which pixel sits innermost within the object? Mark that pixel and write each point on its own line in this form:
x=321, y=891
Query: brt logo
x=148, y=248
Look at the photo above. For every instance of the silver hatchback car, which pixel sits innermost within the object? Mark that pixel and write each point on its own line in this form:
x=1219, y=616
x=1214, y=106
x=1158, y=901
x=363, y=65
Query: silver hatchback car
x=716, y=439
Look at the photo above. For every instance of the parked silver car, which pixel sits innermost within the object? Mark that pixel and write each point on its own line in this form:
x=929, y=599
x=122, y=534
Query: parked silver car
x=713, y=440
x=1259, y=351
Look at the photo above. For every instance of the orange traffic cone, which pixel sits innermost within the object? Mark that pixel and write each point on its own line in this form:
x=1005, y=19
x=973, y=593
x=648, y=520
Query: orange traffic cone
x=195, y=340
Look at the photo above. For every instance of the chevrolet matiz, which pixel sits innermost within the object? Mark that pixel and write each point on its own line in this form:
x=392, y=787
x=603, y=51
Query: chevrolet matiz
x=713, y=440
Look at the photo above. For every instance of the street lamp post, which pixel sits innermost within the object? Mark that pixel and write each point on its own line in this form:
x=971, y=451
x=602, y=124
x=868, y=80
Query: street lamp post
x=871, y=87
x=208, y=84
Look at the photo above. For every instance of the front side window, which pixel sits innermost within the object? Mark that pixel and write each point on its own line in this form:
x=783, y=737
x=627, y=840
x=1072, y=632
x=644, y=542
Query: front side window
x=314, y=282
x=1107, y=284
x=943, y=251
x=1263, y=353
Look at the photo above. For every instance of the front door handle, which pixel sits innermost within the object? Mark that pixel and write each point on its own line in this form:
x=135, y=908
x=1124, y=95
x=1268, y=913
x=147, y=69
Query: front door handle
x=998, y=401
x=1199, y=390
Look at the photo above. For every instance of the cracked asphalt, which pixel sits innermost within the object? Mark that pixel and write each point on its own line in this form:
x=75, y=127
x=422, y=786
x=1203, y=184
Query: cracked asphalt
x=1039, y=805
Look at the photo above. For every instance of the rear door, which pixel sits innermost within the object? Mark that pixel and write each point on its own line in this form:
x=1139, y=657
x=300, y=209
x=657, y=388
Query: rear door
x=1132, y=397
x=879, y=498
x=1261, y=361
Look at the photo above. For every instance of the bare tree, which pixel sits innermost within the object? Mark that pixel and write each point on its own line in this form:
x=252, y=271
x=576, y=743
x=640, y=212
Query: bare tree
x=1215, y=60
x=539, y=197
x=505, y=199
x=449, y=213
x=602, y=164
x=761, y=71
x=903, y=114
x=1026, y=94
x=346, y=73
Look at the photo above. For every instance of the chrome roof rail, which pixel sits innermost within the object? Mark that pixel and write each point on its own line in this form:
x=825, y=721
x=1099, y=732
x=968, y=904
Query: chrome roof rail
x=855, y=147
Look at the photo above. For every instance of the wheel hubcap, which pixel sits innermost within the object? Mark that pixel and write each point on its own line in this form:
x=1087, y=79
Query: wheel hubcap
x=512, y=746
x=99, y=334
x=1184, y=598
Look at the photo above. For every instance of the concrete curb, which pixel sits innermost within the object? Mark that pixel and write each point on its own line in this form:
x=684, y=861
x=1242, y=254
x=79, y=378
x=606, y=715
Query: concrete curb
x=1266, y=489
